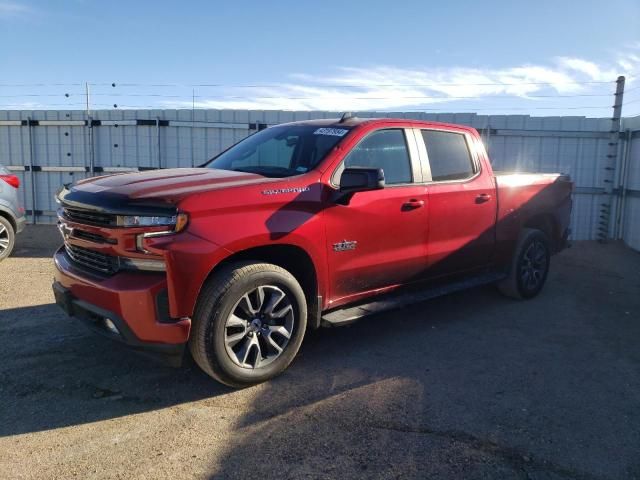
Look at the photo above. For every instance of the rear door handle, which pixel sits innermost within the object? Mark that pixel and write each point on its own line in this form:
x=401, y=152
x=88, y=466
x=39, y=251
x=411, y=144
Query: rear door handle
x=412, y=204
x=483, y=197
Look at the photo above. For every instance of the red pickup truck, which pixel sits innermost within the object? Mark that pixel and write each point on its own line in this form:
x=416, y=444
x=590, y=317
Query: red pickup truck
x=297, y=226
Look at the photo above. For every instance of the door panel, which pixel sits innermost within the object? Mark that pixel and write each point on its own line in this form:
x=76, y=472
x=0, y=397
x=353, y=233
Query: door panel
x=379, y=239
x=390, y=228
x=461, y=226
x=462, y=204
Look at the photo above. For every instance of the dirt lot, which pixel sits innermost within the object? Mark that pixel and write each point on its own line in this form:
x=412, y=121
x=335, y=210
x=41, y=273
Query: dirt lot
x=468, y=386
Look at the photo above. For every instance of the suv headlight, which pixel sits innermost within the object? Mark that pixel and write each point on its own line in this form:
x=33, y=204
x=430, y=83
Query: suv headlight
x=178, y=221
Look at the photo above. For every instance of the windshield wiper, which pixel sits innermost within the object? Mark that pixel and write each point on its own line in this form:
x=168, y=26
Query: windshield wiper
x=271, y=172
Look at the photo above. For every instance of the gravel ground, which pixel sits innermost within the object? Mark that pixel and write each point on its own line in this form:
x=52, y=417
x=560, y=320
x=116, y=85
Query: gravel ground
x=472, y=385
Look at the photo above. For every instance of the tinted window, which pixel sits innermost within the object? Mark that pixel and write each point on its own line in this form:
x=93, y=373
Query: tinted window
x=448, y=155
x=280, y=151
x=384, y=149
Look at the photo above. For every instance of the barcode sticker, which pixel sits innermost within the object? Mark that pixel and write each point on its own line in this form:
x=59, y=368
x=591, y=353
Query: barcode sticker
x=335, y=132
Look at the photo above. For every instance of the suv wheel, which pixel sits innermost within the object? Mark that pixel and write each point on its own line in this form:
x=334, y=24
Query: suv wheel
x=7, y=238
x=529, y=267
x=249, y=323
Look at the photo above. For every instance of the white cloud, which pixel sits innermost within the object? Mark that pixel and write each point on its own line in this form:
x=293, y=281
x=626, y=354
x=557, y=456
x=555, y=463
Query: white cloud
x=13, y=9
x=387, y=87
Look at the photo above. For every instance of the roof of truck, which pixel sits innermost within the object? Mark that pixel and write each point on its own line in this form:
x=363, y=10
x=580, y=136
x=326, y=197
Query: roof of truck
x=355, y=121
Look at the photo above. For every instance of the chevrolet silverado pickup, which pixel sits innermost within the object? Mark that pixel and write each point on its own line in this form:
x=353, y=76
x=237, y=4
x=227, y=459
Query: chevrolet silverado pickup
x=301, y=225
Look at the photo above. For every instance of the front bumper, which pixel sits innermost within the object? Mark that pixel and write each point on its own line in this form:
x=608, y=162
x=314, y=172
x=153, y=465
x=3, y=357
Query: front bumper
x=134, y=302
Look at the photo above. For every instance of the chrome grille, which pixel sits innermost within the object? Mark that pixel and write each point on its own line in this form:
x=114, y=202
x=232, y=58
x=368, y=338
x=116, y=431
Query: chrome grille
x=89, y=217
x=92, y=260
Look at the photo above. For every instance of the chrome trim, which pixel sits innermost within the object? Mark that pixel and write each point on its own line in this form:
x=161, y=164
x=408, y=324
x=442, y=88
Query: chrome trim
x=414, y=155
x=424, y=157
x=143, y=265
x=141, y=236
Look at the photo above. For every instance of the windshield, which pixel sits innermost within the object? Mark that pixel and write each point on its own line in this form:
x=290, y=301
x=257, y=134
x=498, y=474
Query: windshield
x=281, y=151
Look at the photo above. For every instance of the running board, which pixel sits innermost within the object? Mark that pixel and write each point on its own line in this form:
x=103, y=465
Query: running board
x=394, y=301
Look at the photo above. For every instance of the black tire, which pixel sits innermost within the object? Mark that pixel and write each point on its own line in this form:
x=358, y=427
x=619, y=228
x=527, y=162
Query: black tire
x=529, y=267
x=221, y=297
x=7, y=238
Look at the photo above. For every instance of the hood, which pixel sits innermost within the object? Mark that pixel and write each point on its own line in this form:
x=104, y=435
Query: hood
x=169, y=185
x=152, y=191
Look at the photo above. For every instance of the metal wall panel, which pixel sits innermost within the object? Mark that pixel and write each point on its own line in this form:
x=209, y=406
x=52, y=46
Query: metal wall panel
x=573, y=145
x=630, y=222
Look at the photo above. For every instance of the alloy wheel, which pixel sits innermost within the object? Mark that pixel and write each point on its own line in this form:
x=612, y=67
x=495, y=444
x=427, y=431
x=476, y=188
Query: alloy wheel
x=533, y=266
x=4, y=239
x=259, y=327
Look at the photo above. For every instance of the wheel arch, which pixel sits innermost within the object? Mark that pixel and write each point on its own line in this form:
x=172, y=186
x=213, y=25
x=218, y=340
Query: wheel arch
x=6, y=214
x=292, y=258
x=547, y=224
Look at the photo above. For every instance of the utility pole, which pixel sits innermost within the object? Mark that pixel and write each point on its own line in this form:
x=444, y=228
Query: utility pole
x=193, y=116
x=86, y=93
x=89, y=129
x=610, y=163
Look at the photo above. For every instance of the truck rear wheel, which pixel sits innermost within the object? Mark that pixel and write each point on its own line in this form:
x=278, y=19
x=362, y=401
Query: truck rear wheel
x=529, y=267
x=7, y=238
x=249, y=323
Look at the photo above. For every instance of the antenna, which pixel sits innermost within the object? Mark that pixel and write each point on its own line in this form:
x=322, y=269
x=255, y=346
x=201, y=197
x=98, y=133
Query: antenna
x=346, y=116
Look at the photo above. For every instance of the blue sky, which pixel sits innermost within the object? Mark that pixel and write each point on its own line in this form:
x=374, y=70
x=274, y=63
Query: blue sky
x=542, y=57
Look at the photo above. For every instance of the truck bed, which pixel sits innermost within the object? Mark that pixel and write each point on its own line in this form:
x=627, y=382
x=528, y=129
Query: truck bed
x=538, y=200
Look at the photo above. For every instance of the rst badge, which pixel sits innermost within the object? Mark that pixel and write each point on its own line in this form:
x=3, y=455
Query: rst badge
x=345, y=245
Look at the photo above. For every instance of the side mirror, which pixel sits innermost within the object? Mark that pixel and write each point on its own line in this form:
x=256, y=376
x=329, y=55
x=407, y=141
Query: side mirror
x=359, y=179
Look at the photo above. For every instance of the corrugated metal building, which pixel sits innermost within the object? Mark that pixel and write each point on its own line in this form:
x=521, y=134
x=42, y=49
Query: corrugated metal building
x=630, y=194
x=49, y=148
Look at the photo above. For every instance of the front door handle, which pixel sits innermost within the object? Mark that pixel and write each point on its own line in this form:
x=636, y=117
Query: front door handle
x=412, y=204
x=483, y=197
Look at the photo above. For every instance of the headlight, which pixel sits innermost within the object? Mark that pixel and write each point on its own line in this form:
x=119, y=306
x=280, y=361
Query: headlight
x=138, y=221
x=178, y=222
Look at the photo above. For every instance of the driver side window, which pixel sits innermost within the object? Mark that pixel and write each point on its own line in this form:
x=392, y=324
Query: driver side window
x=386, y=149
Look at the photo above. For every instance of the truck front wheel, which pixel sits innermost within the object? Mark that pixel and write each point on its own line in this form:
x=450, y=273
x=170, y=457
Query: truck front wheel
x=529, y=266
x=249, y=323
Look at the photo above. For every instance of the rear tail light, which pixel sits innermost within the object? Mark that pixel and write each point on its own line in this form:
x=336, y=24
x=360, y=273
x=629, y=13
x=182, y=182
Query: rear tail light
x=11, y=180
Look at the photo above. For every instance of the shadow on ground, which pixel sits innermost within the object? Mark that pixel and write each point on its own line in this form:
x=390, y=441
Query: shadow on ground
x=467, y=386
x=55, y=373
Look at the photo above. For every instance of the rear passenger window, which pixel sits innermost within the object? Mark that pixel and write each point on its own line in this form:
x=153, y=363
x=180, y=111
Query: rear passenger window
x=448, y=155
x=386, y=149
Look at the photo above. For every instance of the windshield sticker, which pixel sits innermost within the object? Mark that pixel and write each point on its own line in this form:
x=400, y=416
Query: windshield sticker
x=334, y=132
x=301, y=169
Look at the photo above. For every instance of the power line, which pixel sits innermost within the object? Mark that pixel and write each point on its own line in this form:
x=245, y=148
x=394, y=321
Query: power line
x=325, y=85
x=514, y=108
x=161, y=107
x=41, y=84
x=44, y=95
x=240, y=97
